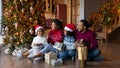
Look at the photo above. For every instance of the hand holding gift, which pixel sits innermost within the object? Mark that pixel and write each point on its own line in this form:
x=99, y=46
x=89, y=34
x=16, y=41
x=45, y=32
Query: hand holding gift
x=40, y=44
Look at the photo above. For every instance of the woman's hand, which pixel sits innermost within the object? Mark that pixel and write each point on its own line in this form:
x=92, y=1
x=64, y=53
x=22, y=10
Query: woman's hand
x=34, y=44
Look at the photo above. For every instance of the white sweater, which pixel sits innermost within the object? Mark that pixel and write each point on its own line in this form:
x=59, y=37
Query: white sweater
x=38, y=40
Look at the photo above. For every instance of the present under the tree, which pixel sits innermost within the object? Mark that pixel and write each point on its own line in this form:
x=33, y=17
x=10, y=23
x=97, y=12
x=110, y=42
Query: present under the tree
x=56, y=62
x=49, y=56
x=82, y=52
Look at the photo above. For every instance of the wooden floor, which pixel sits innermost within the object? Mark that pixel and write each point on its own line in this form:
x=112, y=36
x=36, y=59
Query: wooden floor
x=110, y=52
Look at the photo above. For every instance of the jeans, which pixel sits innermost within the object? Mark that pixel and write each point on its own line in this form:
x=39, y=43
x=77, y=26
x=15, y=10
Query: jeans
x=66, y=54
x=48, y=48
x=93, y=54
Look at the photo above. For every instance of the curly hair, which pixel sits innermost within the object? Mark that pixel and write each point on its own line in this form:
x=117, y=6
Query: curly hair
x=58, y=23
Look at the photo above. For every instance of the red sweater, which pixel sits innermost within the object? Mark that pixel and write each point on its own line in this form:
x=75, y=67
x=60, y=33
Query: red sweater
x=55, y=36
x=89, y=37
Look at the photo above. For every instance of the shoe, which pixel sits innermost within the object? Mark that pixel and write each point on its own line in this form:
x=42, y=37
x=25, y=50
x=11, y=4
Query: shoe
x=19, y=54
x=6, y=51
x=31, y=58
x=38, y=58
x=73, y=58
x=98, y=58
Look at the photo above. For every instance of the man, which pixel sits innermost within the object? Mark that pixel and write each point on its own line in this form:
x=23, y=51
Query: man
x=89, y=38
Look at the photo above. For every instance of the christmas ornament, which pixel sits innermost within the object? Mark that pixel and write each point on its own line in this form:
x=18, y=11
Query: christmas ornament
x=23, y=10
x=6, y=28
x=31, y=31
x=21, y=2
x=6, y=0
x=15, y=2
x=119, y=11
x=31, y=9
x=16, y=25
x=16, y=7
x=12, y=39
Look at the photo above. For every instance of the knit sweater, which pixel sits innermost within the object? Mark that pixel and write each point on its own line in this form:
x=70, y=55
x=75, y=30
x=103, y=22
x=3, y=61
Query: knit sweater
x=39, y=40
x=69, y=42
x=36, y=49
x=55, y=36
x=89, y=37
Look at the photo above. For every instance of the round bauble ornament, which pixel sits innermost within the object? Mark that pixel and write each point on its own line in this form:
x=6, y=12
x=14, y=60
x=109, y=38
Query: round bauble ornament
x=119, y=11
x=31, y=31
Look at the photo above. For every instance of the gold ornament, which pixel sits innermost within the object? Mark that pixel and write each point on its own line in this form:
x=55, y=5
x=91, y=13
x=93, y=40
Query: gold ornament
x=18, y=43
x=15, y=2
x=23, y=10
x=119, y=11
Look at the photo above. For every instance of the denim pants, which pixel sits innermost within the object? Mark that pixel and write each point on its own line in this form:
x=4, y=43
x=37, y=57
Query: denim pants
x=48, y=48
x=66, y=54
x=93, y=54
x=62, y=55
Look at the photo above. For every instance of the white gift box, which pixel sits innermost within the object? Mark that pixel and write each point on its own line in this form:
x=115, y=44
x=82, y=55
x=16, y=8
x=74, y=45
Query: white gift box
x=58, y=45
x=49, y=56
x=56, y=62
x=0, y=49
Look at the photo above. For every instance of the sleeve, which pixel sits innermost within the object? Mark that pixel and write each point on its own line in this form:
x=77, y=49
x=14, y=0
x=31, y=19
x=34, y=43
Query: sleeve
x=33, y=42
x=45, y=42
x=48, y=39
x=93, y=44
x=60, y=39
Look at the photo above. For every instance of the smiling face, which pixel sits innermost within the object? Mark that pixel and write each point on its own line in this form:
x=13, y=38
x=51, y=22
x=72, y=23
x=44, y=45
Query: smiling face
x=81, y=27
x=54, y=26
x=40, y=32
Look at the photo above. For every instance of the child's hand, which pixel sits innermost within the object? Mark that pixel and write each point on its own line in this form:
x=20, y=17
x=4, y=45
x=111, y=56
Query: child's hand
x=34, y=44
x=40, y=44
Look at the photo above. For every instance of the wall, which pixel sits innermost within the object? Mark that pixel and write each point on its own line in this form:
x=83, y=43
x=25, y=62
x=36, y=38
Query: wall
x=0, y=16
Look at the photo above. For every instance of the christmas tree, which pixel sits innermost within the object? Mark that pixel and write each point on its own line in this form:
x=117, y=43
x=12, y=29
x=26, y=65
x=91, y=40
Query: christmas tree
x=106, y=14
x=20, y=17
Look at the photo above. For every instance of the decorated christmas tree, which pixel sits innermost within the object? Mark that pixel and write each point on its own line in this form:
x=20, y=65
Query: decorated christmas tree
x=20, y=17
x=106, y=14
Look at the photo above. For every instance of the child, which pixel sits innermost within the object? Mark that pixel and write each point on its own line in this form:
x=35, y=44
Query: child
x=68, y=41
x=37, y=44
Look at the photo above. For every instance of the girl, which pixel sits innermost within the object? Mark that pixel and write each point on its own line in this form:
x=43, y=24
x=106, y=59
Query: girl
x=69, y=40
x=37, y=44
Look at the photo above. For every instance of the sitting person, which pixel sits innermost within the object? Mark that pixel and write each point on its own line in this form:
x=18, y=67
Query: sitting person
x=68, y=41
x=37, y=44
x=89, y=37
x=55, y=35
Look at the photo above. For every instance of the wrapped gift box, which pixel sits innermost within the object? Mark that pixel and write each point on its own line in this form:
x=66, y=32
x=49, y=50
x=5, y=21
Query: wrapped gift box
x=82, y=52
x=49, y=56
x=56, y=62
x=58, y=45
